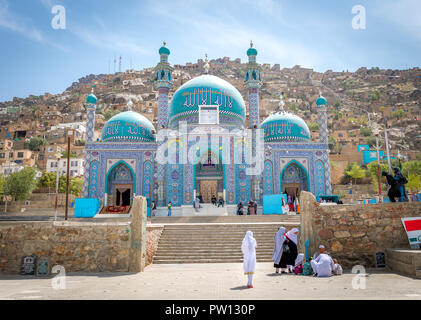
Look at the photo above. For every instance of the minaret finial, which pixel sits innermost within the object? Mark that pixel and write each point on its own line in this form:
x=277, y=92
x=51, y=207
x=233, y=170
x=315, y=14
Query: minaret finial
x=129, y=105
x=251, y=43
x=164, y=43
x=281, y=103
x=206, y=66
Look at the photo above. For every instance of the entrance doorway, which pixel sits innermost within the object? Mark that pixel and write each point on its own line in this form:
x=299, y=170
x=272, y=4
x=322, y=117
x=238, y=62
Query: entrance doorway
x=209, y=175
x=120, y=186
x=293, y=180
x=208, y=188
x=123, y=195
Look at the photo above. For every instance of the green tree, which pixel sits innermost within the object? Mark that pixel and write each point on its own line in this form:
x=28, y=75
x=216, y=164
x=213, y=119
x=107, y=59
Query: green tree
x=371, y=141
x=293, y=107
x=35, y=144
x=332, y=144
x=398, y=114
x=314, y=127
x=110, y=113
x=356, y=172
x=2, y=185
x=64, y=154
x=366, y=132
x=411, y=167
x=337, y=104
x=75, y=185
x=414, y=182
x=375, y=96
x=21, y=184
x=373, y=170
x=48, y=180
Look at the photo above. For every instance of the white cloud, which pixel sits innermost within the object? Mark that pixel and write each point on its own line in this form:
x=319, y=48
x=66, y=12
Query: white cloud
x=12, y=22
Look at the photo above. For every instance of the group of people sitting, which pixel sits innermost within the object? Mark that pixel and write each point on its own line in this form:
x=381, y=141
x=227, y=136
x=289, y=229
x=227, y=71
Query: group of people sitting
x=219, y=203
x=286, y=258
x=397, y=186
x=251, y=208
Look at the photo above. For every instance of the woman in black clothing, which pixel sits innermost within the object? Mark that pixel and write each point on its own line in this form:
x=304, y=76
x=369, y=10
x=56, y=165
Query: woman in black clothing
x=292, y=241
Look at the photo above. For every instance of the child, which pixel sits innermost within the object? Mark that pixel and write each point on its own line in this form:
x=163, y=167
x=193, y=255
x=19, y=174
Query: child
x=337, y=270
x=298, y=269
x=169, y=209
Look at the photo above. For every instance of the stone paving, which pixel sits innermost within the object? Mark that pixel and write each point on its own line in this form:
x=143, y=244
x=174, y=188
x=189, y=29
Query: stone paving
x=210, y=282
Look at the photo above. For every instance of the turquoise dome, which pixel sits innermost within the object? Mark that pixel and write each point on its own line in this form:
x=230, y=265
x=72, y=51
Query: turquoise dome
x=285, y=127
x=92, y=99
x=128, y=126
x=207, y=90
x=252, y=52
x=321, y=101
x=164, y=50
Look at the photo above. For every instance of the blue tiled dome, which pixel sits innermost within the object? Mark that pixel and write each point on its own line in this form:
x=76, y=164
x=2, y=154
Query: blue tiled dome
x=128, y=126
x=207, y=90
x=164, y=50
x=285, y=127
x=91, y=99
x=321, y=101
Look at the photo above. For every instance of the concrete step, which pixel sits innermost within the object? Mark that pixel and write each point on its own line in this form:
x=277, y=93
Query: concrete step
x=207, y=260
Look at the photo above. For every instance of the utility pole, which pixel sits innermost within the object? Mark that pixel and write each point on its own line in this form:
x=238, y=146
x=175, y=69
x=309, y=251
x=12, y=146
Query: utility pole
x=119, y=66
x=386, y=141
x=379, y=174
x=69, y=134
x=57, y=183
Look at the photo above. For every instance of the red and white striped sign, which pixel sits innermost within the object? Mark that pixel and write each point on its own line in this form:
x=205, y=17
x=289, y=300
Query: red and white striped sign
x=413, y=229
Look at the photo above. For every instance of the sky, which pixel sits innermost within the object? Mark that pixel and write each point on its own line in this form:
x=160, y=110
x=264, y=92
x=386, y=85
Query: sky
x=36, y=58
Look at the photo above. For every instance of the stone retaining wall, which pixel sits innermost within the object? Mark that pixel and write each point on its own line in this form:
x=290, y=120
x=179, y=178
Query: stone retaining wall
x=78, y=246
x=354, y=233
x=87, y=247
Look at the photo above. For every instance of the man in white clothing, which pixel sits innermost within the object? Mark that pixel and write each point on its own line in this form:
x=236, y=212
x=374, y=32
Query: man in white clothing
x=323, y=265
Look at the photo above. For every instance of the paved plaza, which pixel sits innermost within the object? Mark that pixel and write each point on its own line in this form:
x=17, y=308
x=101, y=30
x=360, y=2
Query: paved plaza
x=209, y=282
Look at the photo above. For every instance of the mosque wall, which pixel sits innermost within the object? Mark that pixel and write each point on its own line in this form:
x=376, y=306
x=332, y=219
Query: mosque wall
x=354, y=233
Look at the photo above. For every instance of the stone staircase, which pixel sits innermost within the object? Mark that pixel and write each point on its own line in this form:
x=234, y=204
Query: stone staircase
x=404, y=261
x=214, y=242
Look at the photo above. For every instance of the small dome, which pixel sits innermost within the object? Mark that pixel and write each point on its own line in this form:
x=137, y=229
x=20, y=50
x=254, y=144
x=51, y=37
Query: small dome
x=252, y=52
x=128, y=126
x=321, y=101
x=285, y=127
x=92, y=99
x=164, y=50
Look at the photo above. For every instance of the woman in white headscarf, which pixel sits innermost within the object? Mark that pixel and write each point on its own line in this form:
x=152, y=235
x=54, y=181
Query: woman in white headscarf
x=249, y=251
x=278, y=257
x=292, y=240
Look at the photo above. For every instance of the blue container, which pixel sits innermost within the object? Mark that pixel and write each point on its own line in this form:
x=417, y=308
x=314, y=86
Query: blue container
x=86, y=208
x=272, y=204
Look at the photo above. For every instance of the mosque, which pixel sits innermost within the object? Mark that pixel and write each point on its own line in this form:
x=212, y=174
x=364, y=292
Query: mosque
x=204, y=145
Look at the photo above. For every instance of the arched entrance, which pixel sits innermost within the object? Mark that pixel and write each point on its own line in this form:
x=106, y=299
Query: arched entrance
x=120, y=185
x=294, y=179
x=209, y=176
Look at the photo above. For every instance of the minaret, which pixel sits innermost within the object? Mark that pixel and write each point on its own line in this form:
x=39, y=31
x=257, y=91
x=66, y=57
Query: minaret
x=91, y=101
x=163, y=82
x=253, y=82
x=321, y=107
x=322, y=119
